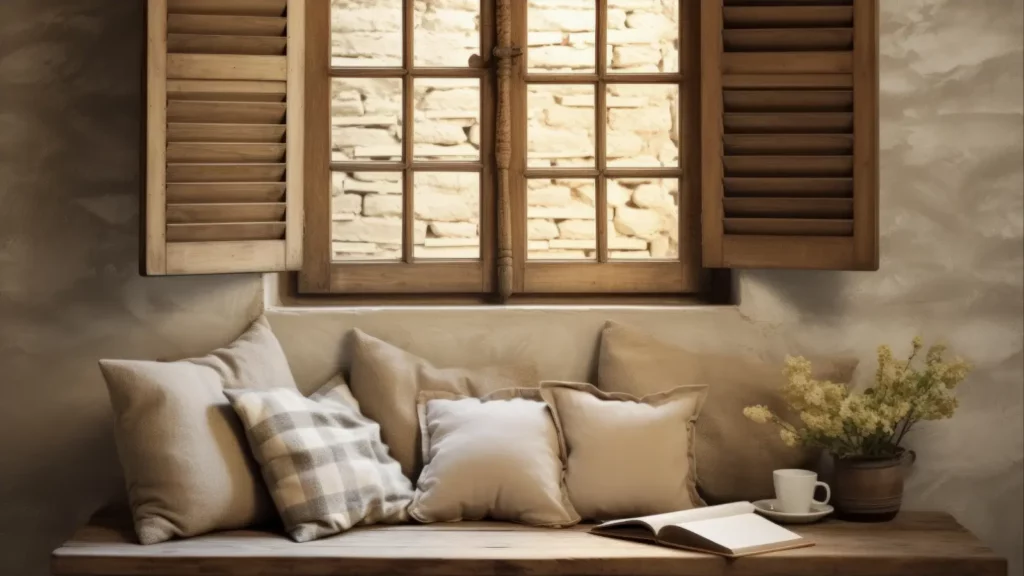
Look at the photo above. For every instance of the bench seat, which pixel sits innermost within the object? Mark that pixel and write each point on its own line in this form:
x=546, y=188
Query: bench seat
x=916, y=543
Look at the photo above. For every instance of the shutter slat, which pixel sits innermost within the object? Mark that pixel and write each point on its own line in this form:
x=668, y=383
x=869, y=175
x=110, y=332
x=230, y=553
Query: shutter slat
x=826, y=208
x=778, y=144
x=761, y=186
x=226, y=25
x=225, y=172
x=219, y=67
x=789, y=93
x=199, y=112
x=225, y=232
x=788, y=123
x=252, y=133
x=788, y=39
x=789, y=166
x=227, y=90
x=225, y=213
x=229, y=7
x=208, y=152
x=237, y=45
x=788, y=16
x=225, y=192
x=788, y=100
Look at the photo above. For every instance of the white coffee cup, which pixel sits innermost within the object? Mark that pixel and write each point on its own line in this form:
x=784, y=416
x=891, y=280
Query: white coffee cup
x=794, y=491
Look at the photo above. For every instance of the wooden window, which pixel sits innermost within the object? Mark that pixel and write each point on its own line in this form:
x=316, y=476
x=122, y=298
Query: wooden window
x=403, y=108
x=511, y=149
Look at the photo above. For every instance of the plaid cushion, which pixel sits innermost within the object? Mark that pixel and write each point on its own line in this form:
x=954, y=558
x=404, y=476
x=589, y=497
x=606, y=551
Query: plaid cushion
x=323, y=461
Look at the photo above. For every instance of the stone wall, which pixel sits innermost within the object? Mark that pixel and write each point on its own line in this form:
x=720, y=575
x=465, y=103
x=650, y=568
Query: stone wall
x=641, y=122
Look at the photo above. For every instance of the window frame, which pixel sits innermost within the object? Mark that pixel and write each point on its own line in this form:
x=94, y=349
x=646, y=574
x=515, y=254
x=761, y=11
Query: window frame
x=601, y=280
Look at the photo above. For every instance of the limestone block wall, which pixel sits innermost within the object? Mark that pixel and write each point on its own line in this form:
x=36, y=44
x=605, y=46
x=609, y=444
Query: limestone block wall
x=367, y=125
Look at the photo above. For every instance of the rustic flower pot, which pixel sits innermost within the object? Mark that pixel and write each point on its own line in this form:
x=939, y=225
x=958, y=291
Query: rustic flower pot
x=869, y=489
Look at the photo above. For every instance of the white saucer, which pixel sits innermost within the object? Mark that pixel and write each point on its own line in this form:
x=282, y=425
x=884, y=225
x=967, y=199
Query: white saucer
x=770, y=509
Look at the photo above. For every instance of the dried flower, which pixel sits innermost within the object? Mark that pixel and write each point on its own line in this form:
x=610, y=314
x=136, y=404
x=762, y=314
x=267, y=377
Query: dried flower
x=874, y=422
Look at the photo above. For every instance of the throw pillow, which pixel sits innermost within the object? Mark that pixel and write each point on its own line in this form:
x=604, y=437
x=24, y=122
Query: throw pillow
x=627, y=456
x=386, y=380
x=735, y=457
x=182, y=448
x=324, y=463
x=496, y=457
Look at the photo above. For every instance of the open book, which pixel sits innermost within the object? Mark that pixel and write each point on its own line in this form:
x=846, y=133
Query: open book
x=730, y=530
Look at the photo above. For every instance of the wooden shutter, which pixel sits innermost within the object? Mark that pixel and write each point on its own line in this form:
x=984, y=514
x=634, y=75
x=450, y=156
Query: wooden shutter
x=224, y=136
x=790, y=134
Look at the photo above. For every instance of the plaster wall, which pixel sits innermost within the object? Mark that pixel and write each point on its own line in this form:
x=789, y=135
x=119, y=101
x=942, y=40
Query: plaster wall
x=952, y=268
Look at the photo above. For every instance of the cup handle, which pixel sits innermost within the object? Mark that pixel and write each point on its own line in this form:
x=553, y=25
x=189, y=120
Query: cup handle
x=828, y=494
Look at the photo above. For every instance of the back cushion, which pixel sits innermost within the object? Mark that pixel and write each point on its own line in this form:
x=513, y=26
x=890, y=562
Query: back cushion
x=387, y=380
x=735, y=456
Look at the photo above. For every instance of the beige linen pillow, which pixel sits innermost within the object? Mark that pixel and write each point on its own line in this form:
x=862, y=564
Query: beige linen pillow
x=495, y=457
x=735, y=456
x=323, y=461
x=183, y=450
x=627, y=456
x=386, y=381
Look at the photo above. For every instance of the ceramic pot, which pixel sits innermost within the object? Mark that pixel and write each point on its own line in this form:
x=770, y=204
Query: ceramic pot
x=869, y=489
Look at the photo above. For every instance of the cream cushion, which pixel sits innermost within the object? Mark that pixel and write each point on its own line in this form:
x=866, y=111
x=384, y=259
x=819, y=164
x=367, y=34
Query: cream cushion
x=496, y=457
x=735, y=456
x=184, y=453
x=627, y=456
x=386, y=381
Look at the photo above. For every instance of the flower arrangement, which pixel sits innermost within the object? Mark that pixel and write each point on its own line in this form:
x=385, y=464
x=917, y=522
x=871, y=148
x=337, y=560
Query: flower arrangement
x=873, y=422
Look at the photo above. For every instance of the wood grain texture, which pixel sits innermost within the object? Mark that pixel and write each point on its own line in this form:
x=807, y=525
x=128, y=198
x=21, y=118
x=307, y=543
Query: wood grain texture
x=155, y=244
x=225, y=232
x=208, y=213
x=200, y=112
x=651, y=277
x=212, y=44
x=226, y=90
x=866, y=131
x=225, y=192
x=212, y=152
x=225, y=257
x=788, y=39
x=218, y=67
x=229, y=7
x=504, y=52
x=315, y=274
x=918, y=543
x=787, y=63
x=225, y=173
x=295, y=174
x=243, y=133
x=237, y=25
x=712, y=129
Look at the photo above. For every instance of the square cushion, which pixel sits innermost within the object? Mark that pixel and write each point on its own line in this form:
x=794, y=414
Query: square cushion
x=627, y=456
x=495, y=457
x=324, y=462
x=386, y=381
x=183, y=450
x=735, y=456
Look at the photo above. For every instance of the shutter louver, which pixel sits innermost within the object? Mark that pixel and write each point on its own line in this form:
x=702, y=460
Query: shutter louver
x=224, y=136
x=790, y=122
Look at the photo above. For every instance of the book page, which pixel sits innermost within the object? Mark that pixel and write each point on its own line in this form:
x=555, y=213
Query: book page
x=656, y=522
x=734, y=533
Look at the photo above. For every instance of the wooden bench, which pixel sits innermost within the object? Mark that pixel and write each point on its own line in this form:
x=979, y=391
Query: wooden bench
x=916, y=543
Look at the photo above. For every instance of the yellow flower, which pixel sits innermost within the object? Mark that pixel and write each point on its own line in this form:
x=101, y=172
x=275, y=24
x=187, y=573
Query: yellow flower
x=759, y=414
x=788, y=437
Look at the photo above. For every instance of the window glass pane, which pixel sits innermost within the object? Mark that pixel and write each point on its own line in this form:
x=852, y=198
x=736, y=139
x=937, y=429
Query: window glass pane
x=560, y=129
x=367, y=216
x=447, y=34
x=447, y=125
x=366, y=33
x=366, y=118
x=643, y=125
x=561, y=219
x=646, y=224
x=644, y=38
x=561, y=37
x=447, y=208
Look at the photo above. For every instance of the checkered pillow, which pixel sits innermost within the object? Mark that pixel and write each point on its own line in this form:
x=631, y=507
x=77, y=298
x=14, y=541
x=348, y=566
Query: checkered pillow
x=324, y=463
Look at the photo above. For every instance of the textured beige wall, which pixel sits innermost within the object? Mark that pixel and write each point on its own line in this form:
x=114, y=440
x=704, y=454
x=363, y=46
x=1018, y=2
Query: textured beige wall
x=69, y=288
x=952, y=266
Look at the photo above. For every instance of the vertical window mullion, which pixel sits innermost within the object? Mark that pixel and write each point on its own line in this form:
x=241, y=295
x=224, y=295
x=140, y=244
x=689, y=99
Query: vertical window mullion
x=408, y=133
x=601, y=130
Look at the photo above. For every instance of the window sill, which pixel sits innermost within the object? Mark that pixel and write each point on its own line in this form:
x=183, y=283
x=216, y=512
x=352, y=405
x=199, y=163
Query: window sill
x=281, y=292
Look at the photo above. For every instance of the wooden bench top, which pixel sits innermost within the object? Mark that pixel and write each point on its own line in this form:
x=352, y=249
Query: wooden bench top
x=916, y=543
